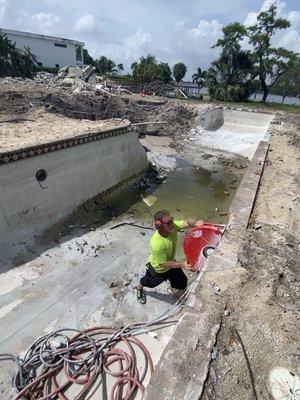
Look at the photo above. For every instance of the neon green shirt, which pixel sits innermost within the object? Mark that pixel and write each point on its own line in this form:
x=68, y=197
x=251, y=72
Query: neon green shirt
x=163, y=249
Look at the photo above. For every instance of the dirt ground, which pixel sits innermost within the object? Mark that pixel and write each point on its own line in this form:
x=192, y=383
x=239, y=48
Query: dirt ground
x=29, y=113
x=263, y=292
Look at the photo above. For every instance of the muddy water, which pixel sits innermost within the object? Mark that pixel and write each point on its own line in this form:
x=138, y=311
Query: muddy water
x=188, y=192
x=192, y=192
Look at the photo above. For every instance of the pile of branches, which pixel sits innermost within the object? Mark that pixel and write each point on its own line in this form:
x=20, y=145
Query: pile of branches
x=158, y=88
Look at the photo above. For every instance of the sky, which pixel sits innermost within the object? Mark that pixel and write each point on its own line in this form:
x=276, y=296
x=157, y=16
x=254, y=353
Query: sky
x=124, y=30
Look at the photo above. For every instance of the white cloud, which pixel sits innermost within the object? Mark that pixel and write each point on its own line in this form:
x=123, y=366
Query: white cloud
x=132, y=47
x=251, y=18
x=193, y=45
x=87, y=24
x=209, y=29
x=290, y=40
x=45, y=19
x=3, y=8
x=294, y=17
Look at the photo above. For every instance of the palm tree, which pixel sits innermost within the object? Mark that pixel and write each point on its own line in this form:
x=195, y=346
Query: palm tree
x=120, y=67
x=150, y=59
x=179, y=70
x=105, y=66
x=199, y=77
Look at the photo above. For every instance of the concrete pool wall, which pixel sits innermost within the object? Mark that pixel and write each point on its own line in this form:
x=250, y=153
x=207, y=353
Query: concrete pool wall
x=231, y=131
x=77, y=169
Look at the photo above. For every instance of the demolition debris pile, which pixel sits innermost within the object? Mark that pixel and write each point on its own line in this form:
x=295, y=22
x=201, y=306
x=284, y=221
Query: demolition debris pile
x=75, y=79
x=79, y=93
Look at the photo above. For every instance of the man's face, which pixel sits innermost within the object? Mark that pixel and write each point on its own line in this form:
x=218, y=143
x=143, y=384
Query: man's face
x=167, y=223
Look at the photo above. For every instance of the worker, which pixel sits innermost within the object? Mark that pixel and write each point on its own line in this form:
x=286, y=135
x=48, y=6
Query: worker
x=162, y=265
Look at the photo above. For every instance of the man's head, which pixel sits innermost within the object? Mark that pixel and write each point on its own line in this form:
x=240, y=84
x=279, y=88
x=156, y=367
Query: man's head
x=163, y=222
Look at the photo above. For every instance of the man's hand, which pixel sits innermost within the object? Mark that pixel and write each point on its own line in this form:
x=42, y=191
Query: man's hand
x=199, y=223
x=187, y=265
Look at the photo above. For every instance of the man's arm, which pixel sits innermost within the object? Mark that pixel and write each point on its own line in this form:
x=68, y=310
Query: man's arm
x=176, y=264
x=190, y=223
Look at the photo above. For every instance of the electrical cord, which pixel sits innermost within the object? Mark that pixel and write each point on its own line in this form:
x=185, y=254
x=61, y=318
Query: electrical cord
x=57, y=361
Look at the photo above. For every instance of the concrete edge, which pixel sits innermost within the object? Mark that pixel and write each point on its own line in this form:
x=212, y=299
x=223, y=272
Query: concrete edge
x=183, y=368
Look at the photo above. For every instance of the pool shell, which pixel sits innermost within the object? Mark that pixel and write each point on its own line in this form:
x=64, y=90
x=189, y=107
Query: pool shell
x=202, y=321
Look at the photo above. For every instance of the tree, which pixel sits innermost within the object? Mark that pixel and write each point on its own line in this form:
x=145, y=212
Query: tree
x=16, y=62
x=179, y=71
x=269, y=62
x=199, y=77
x=228, y=79
x=87, y=59
x=149, y=70
x=120, y=67
x=104, y=65
x=164, y=73
x=288, y=84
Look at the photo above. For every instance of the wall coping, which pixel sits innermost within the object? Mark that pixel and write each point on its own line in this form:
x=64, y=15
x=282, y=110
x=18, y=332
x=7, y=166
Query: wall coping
x=62, y=144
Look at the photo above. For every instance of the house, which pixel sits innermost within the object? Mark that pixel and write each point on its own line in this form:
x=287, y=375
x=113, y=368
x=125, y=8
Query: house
x=50, y=51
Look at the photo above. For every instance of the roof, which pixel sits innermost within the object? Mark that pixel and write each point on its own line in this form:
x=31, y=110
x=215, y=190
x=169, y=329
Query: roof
x=38, y=36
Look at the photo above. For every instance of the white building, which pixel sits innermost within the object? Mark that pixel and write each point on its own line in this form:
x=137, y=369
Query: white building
x=50, y=51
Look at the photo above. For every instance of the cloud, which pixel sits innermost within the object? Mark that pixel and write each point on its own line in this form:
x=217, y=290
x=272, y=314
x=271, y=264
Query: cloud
x=46, y=21
x=131, y=48
x=87, y=24
x=192, y=45
x=209, y=29
x=3, y=7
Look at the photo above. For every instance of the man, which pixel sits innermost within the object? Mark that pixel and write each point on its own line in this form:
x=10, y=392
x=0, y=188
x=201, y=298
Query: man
x=161, y=264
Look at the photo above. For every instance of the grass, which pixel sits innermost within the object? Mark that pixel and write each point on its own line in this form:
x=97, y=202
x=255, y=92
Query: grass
x=294, y=109
x=291, y=109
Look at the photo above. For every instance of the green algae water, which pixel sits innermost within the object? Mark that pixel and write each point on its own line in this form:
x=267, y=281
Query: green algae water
x=188, y=192
x=192, y=193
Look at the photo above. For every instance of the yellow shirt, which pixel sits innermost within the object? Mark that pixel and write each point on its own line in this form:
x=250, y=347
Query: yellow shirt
x=163, y=249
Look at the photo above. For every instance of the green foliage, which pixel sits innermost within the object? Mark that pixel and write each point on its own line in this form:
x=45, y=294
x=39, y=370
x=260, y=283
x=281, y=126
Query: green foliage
x=87, y=59
x=269, y=63
x=120, y=67
x=47, y=69
x=228, y=79
x=104, y=65
x=199, y=77
x=15, y=62
x=179, y=71
x=149, y=70
x=122, y=79
x=288, y=84
x=231, y=77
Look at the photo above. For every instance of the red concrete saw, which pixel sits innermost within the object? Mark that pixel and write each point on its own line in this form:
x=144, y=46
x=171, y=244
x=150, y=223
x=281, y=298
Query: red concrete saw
x=200, y=242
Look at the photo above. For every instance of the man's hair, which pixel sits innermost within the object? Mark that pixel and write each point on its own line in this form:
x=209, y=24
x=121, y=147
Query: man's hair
x=160, y=214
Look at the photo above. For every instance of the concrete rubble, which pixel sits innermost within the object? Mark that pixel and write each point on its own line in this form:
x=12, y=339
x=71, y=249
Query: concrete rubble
x=76, y=79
